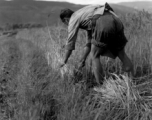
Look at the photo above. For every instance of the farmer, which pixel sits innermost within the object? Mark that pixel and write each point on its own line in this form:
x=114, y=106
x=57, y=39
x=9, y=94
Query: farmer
x=105, y=36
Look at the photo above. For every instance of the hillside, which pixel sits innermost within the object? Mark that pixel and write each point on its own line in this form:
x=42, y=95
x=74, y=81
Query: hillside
x=140, y=5
x=30, y=11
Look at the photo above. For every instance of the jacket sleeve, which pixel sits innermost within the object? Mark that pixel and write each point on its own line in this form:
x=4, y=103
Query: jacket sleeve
x=72, y=33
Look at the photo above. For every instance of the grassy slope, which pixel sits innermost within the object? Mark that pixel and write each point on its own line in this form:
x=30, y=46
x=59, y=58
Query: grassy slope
x=140, y=5
x=30, y=11
x=37, y=11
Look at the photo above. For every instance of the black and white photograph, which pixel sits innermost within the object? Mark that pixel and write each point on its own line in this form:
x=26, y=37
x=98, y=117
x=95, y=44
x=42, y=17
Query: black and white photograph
x=75, y=59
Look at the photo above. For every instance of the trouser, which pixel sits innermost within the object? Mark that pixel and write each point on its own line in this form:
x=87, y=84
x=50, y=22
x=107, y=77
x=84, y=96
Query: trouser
x=108, y=33
x=108, y=40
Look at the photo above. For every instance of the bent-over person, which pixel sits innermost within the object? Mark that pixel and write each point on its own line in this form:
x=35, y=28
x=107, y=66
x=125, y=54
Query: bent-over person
x=105, y=36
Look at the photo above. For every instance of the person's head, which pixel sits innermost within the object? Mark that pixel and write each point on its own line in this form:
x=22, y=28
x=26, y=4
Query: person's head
x=65, y=15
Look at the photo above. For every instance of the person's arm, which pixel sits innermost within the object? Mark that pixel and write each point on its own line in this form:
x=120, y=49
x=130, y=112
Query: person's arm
x=84, y=56
x=70, y=44
x=87, y=50
x=66, y=57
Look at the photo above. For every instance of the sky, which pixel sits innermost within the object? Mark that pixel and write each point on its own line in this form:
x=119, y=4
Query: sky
x=95, y=1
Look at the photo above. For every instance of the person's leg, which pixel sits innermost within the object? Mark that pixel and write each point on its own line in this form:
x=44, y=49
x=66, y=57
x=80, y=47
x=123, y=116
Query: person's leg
x=96, y=64
x=127, y=64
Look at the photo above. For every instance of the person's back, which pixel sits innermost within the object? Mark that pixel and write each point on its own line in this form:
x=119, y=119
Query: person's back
x=83, y=16
x=88, y=12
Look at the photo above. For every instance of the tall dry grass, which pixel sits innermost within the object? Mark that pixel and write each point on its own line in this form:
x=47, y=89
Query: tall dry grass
x=44, y=92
